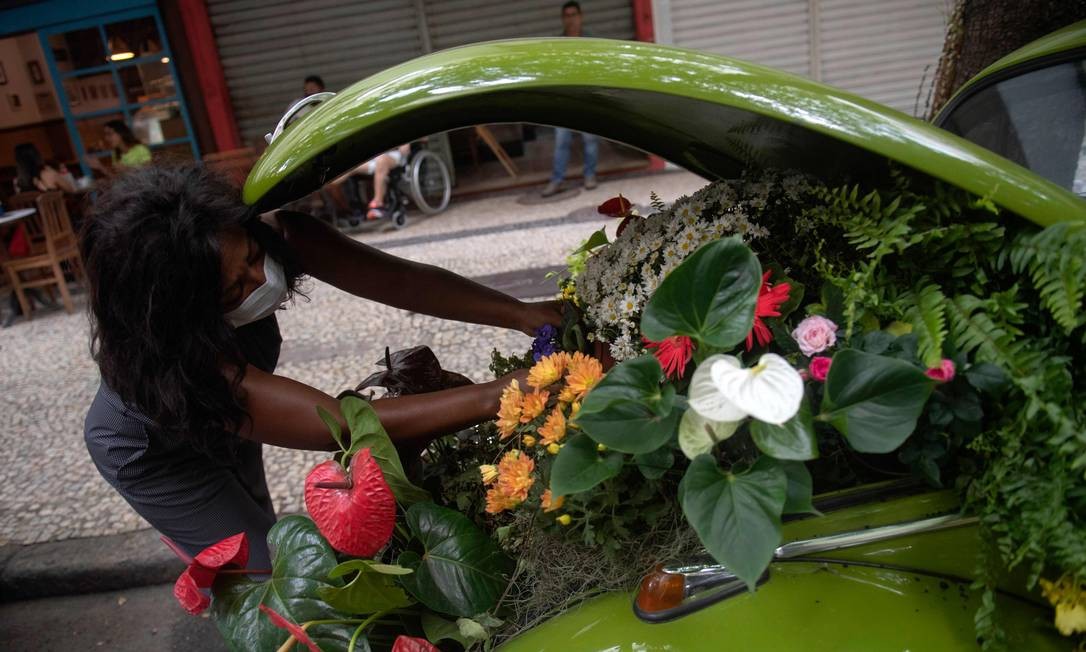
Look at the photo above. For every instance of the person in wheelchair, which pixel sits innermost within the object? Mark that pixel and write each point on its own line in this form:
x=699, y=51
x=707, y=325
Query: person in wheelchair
x=379, y=168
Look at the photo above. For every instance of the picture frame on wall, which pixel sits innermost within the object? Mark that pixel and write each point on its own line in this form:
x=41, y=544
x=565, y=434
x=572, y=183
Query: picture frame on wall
x=34, y=68
x=3, y=75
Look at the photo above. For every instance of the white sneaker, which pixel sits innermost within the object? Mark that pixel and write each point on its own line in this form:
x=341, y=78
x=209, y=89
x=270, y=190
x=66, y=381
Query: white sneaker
x=551, y=189
x=590, y=183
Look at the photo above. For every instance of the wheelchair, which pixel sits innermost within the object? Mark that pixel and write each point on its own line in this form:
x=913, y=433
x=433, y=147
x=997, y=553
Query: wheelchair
x=423, y=179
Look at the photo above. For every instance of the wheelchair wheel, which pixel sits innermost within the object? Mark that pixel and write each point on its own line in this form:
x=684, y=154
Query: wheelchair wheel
x=399, y=218
x=429, y=182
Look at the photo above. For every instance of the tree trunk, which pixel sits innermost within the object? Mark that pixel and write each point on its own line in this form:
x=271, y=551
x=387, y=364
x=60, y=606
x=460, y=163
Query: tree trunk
x=982, y=31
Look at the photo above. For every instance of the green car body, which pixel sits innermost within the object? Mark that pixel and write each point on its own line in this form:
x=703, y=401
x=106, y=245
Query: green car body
x=715, y=116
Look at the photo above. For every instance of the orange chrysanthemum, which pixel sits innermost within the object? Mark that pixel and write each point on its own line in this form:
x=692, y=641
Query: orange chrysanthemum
x=548, y=370
x=554, y=429
x=548, y=504
x=515, y=475
x=584, y=372
x=532, y=405
x=497, y=502
x=509, y=410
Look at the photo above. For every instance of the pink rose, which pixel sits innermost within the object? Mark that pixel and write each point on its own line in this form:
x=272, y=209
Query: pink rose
x=815, y=334
x=944, y=373
x=820, y=366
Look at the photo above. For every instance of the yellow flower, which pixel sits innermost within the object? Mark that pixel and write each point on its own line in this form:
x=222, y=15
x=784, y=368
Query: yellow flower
x=489, y=473
x=569, y=293
x=564, y=519
x=550, y=504
x=532, y=405
x=509, y=409
x=497, y=502
x=601, y=448
x=553, y=449
x=528, y=440
x=553, y=429
x=584, y=372
x=1069, y=598
x=515, y=476
x=548, y=370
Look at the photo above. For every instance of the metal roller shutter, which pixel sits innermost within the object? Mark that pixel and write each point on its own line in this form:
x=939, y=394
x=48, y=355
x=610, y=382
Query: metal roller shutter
x=771, y=32
x=268, y=47
x=885, y=50
x=458, y=22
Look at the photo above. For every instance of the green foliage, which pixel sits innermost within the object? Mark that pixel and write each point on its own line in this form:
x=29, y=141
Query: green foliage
x=1055, y=260
x=461, y=571
x=301, y=571
x=709, y=297
x=793, y=440
x=629, y=410
x=367, y=432
x=373, y=588
x=737, y=515
x=579, y=466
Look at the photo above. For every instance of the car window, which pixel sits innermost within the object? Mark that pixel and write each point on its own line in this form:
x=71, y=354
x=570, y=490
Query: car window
x=1037, y=119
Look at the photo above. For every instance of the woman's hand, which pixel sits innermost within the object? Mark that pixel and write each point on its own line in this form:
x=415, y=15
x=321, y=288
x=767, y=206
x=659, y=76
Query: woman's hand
x=540, y=314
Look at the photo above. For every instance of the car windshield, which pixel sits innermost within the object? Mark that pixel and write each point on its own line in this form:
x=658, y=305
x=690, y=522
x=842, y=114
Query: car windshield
x=1037, y=119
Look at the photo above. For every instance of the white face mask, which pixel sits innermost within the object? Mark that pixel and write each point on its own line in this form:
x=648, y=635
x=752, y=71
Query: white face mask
x=264, y=300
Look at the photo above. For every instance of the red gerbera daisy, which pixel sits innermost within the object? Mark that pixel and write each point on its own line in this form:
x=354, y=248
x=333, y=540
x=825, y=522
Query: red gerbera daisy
x=673, y=353
x=770, y=298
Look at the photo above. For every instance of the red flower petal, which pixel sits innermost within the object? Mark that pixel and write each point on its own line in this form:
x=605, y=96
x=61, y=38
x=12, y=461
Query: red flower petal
x=673, y=353
x=192, y=599
x=615, y=207
x=770, y=299
x=356, y=521
x=623, y=224
x=411, y=644
x=231, y=550
x=295, y=630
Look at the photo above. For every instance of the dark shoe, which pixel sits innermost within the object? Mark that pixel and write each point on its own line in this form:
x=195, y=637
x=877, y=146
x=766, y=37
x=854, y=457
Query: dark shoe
x=590, y=183
x=551, y=189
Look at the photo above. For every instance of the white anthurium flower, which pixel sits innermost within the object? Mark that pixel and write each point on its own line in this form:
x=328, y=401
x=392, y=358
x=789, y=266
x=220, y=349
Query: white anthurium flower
x=770, y=391
x=704, y=397
x=698, y=435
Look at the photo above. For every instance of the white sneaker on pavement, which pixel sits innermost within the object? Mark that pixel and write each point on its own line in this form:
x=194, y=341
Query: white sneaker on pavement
x=551, y=189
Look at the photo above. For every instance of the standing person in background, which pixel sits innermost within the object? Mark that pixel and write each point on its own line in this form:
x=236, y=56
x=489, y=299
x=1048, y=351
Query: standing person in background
x=572, y=20
x=312, y=85
x=128, y=151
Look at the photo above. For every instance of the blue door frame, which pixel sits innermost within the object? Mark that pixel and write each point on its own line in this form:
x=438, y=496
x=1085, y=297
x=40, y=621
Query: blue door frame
x=127, y=109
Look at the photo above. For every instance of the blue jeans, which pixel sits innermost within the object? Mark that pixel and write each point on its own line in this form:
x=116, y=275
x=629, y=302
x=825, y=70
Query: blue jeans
x=562, y=140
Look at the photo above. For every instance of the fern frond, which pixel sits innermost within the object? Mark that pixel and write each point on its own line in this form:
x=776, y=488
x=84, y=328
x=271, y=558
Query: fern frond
x=928, y=317
x=972, y=329
x=1055, y=260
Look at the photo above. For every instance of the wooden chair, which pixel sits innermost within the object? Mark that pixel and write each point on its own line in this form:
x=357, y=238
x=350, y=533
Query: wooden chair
x=28, y=199
x=44, y=263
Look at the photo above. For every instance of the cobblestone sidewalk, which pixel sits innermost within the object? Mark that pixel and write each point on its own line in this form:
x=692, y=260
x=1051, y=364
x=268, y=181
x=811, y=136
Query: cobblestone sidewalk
x=50, y=490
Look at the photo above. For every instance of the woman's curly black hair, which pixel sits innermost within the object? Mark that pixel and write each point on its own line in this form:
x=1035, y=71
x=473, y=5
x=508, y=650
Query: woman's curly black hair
x=151, y=250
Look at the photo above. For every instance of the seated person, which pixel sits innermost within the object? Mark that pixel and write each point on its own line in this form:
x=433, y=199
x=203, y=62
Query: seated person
x=378, y=168
x=35, y=174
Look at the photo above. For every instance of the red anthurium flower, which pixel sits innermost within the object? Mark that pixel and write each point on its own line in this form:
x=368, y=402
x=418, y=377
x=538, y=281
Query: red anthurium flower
x=615, y=207
x=770, y=298
x=205, y=567
x=356, y=516
x=673, y=353
x=411, y=644
x=295, y=630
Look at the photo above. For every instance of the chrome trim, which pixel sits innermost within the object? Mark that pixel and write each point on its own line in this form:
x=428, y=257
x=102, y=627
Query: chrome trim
x=315, y=98
x=862, y=537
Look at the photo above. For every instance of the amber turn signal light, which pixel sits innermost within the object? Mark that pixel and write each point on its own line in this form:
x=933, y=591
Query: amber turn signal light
x=661, y=591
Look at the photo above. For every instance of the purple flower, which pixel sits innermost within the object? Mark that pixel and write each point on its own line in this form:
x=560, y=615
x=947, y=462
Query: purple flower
x=545, y=342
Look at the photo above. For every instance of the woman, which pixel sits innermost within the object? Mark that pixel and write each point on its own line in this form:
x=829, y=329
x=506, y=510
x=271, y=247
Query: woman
x=128, y=151
x=184, y=284
x=34, y=174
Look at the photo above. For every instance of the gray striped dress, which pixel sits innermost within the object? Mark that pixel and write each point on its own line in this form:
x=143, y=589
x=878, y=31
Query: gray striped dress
x=195, y=498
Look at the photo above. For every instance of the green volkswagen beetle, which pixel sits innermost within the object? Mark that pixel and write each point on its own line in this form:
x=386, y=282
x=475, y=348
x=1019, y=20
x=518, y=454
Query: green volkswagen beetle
x=887, y=566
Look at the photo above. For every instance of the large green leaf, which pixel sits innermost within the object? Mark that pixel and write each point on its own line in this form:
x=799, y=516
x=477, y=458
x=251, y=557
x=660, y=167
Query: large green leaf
x=800, y=487
x=579, y=466
x=737, y=515
x=367, y=432
x=303, y=560
x=629, y=410
x=874, y=401
x=373, y=589
x=709, y=297
x=461, y=571
x=655, y=464
x=792, y=440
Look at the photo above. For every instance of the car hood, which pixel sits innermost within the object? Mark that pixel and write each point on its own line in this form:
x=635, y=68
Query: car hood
x=709, y=114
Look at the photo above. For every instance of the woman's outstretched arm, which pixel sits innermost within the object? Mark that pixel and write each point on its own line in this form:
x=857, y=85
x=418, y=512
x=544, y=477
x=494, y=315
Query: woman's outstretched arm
x=283, y=411
x=364, y=271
